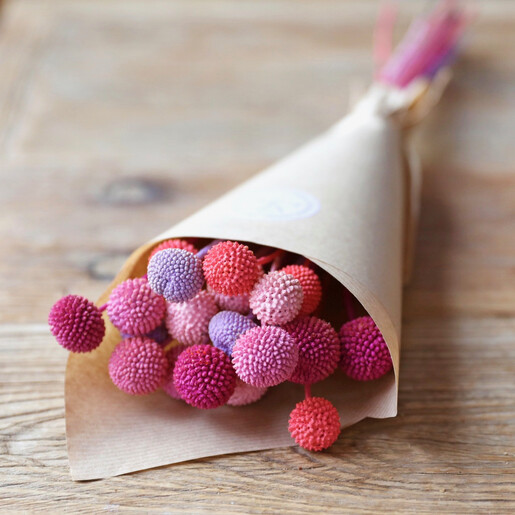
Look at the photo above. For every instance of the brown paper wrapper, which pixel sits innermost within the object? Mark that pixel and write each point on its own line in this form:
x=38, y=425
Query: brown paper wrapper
x=345, y=202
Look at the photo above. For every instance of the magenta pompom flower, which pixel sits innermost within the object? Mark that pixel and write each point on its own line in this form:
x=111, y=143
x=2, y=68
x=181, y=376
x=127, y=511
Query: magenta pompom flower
x=265, y=356
x=188, y=322
x=245, y=394
x=319, y=349
x=364, y=353
x=225, y=327
x=172, y=355
x=77, y=324
x=231, y=268
x=173, y=244
x=134, y=308
x=314, y=424
x=176, y=274
x=311, y=286
x=138, y=366
x=204, y=377
x=277, y=298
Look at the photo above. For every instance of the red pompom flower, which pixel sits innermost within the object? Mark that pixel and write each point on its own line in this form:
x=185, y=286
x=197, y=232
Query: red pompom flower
x=311, y=286
x=173, y=244
x=314, y=424
x=231, y=268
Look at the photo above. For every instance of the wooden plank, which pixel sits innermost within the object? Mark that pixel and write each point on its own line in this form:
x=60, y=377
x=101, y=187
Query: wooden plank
x=450, y=449
x=119, y=118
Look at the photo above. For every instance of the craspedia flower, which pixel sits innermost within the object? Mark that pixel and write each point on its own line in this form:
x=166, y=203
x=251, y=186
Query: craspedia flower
x=225, y=327
x=319, y=349
x=265, y=356
x=176, y=274
x=277, y=298
x=231, y=268
x=173, y=244
x=314, y=424
x=364, y=353
x=188, y=322
x=311, y=286
x=134, y=308
x=245, y=394
x=76, y=324
x=204, y=377
x=138, y=365
x=172, y=355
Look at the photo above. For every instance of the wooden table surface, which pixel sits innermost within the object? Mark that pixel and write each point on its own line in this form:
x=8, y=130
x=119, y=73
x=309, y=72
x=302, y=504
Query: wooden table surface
x=119, y=118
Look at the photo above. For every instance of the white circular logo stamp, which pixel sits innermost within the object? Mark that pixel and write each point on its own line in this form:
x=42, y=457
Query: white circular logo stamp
x=277, y=204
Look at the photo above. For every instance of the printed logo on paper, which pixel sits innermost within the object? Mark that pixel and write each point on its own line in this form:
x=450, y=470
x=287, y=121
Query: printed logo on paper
x=277, y=204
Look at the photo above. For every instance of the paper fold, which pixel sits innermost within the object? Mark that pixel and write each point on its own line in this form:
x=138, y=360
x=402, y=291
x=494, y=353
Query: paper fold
x=341, y=201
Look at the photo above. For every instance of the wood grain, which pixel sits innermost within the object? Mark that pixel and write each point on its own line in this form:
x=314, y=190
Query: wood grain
x=117, y=119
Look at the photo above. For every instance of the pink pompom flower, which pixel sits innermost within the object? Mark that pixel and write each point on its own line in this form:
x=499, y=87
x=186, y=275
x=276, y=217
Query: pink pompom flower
x=134, y=308
x=277, y=298
x=138, y=366
x=188, y=322
x=238, y=303
x=265, y=356
x=245, y=394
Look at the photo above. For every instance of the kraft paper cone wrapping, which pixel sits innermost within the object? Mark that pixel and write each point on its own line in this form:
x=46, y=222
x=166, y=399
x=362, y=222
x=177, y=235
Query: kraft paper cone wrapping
x=340, y=201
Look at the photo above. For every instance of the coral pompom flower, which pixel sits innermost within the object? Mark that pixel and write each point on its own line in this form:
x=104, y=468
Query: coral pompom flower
x=314, y=424
x=138, y=366
x=265, y=356
x=277, y=298
x=226, y=327
x=134, y=308
x=173, y=244
x=188, y=322
x=364, y=353
x=176, y=274
x=319, y=349
x=311, y=287
x=204, y=377
x=231, y=268
x=76, y=324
